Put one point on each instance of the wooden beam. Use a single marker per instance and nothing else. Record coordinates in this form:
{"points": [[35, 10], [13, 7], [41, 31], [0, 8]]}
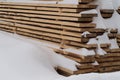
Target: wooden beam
{"points": [[49, 13], [49, 5]]}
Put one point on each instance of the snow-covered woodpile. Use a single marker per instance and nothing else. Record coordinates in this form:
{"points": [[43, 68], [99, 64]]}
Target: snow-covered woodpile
{"points": [[77, 28]]}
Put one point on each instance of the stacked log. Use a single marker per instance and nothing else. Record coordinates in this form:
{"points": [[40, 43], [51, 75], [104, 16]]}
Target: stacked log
{"points": [[113, 33]]}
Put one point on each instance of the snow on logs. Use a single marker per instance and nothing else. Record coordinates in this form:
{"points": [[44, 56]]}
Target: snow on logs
{"points": [[92, 63]]}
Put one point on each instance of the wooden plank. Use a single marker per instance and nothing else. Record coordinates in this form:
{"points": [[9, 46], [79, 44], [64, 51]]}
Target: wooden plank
{"points": [[109, 69], [68, 53], [107, 11], [81, 61], [106, 15], [85, 71], [6, 30], [49, 13], [85, 61], [7, 27], [113, 55], [112, 35], [39, 37], [77, 55], [113, 50], [85, 1], [107, 45], [108, 59], [56, 9], [109, 64], [49, 5], [90, 46], [39, 5], [81, 45], [85, 66]]}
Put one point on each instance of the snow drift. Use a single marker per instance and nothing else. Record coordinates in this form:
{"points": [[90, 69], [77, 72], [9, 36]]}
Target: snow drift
{"points": [[21, 60]]}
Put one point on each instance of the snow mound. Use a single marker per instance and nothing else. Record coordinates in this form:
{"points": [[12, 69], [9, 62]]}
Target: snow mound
{"points": [[24, 61]]}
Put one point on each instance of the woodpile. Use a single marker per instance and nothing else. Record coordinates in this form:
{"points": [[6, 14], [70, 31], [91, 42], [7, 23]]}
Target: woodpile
{"points": [[84, 61], [106, 63], [109, 62], [63, 24], [60, 23]]}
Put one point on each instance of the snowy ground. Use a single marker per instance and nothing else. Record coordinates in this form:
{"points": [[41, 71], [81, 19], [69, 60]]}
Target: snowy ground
{"points": [[23, 59], [20, 60]]}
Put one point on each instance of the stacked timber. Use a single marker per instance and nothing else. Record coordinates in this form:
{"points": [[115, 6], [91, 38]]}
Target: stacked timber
{"points": [[107, 13], [63, 24], [86, 63], [118, 39], [60, 23], [109, 62], [112, 33]]}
